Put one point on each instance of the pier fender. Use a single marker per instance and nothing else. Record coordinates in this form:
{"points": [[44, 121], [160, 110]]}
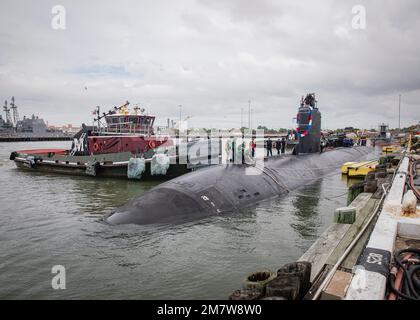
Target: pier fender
{"points": [[371, 186], [92, 168], [135, 168], [245, 294], [258, 280], [160, 164], [13, 155], [354, 190], [292, 281]]}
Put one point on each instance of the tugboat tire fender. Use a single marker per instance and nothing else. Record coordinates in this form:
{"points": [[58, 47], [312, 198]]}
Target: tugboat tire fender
{"points": [[152, 144], [96, 147]]}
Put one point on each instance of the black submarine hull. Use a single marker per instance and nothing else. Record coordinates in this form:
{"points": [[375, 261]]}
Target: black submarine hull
{"points": [[227, 188]]}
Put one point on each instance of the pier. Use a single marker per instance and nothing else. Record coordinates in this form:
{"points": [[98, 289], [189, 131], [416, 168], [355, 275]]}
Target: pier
{"points": [[34, 138], [355, 258]]}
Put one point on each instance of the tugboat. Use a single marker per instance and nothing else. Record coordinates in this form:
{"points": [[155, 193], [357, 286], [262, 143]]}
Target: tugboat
{"points": [[122, 143]]}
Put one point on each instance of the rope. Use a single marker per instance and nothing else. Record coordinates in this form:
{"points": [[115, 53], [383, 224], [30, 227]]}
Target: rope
{"points": [[411, 175]]}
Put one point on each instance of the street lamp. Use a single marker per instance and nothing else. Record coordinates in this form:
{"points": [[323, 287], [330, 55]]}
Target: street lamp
{"points": [[399, 112], [249, 114]]}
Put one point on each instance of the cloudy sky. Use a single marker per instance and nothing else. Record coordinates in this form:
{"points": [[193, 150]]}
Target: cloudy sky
{"points": [[212, 56]]}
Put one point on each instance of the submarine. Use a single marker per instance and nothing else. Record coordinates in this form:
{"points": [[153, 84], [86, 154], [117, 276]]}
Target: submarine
{"points": [[224, 188]]}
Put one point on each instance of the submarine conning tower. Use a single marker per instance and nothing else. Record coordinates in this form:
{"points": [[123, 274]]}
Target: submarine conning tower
{"points": [[309, 125]]}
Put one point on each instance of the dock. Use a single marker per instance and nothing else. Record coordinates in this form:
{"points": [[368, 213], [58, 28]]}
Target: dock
{"points": [[35, 138], [365, 253]]}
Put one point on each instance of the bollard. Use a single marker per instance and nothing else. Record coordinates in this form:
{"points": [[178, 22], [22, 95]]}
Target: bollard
{"points": [[409, 203]]}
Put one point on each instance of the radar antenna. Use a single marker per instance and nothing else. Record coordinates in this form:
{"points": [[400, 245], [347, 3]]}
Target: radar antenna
{"points": [[13, 107], [7, 111]]}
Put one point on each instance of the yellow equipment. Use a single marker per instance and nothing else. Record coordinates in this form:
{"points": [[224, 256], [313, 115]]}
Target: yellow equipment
{"points": [[390, 149], [361, 170], [358, 169], [345, 167]]}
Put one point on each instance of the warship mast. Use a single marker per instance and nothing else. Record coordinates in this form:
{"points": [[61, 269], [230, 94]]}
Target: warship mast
{"points": [[13, 107]]}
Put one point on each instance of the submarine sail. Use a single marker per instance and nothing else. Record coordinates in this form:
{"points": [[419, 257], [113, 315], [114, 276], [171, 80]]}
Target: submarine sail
{"points": [[309, 125]]}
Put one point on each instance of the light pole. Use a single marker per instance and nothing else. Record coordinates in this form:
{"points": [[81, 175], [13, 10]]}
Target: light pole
{"points": [[180, 113], [249, 114], [399, 112], [242, 117]]}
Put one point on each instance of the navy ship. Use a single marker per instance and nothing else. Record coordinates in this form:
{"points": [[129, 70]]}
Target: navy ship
{"points": [[229, 187], [13, 125]]}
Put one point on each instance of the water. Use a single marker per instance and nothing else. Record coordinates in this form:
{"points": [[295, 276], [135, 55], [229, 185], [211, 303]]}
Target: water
{"points": [[48, 220]]}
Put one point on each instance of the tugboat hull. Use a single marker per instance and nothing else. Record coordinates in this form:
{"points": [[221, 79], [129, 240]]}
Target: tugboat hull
{"points": [[111, 165]]}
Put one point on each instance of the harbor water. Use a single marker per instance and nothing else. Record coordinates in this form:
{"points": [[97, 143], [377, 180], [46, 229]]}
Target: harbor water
{"points": [[48, 220]]}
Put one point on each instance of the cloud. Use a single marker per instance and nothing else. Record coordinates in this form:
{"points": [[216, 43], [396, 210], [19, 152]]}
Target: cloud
{"points": [[212, 57]]}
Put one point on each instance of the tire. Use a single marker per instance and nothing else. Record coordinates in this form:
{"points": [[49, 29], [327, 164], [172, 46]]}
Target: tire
{"points": [[380, 174], [371, 186], [370, 176], [258, 280], [301, 271]]}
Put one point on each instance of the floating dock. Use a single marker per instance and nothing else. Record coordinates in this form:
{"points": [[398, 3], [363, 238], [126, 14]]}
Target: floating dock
{"points": [[35, 138]]}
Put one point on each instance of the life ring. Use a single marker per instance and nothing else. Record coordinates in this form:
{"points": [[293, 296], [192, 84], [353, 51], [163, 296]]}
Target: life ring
{"points": [[152, 144], [96, 147]]}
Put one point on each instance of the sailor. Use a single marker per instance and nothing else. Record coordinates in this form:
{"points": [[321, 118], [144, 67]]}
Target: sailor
{"points": [[232, 159], [253, 145], [269, 147], [278, 146], [243, 151], [283, 145], [323, 143], [228, 150]]}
